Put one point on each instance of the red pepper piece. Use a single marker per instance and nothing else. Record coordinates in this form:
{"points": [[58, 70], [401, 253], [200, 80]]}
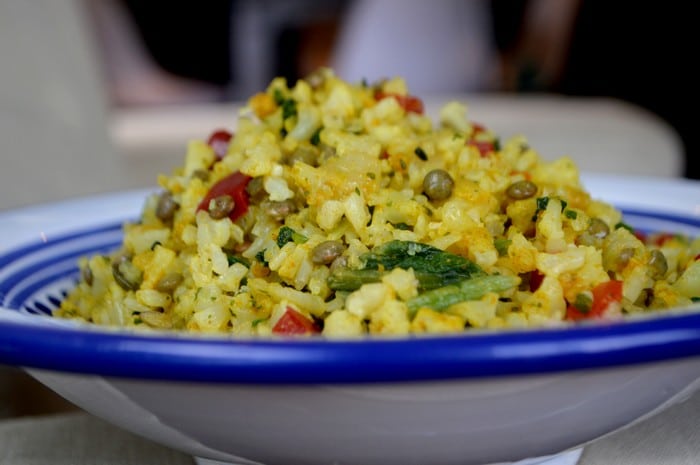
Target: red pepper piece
{"points": [[485, 148], [604, 295], [407, 102], [536, 278], [477, 128], [233, 185], [663, 238], [641, 236], [219, 141], [525, 174], [293, 322]]}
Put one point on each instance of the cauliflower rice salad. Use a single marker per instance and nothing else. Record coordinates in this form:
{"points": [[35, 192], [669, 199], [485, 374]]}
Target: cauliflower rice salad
{"points": [[342, 209]]}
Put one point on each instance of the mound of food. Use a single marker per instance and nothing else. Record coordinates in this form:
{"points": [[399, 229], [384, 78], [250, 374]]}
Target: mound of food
{"points": [[342, 209]]}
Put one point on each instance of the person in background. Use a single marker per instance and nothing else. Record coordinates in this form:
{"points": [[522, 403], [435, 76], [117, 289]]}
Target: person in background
{"points": [[439, 47], [638, 52]]}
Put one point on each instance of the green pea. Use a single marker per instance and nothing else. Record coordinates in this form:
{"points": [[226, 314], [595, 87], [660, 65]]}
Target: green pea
{"points": [[438, 185]]}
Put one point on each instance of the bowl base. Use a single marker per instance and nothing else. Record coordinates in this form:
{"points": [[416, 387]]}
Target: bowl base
{"points": [[570, 457]]}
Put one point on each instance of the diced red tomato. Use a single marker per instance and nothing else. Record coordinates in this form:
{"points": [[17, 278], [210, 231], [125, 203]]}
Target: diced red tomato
{"points": [[384, 155], [536, 278], [407, 102], [233, 185], [293, 322], [219, 141], [485, 148], [604, 295]]}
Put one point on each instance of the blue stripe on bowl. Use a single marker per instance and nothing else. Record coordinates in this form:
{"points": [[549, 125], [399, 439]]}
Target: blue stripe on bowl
{"points": [[40, 274], [19, 286], [20, 252]]}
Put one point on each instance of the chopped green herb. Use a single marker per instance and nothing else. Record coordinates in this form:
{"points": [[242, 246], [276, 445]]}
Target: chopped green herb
{"points": [[289, 108], [237, 259], [624, 225], [542, 203], [371, 175], [260, 256], [403, 164], [155, 244], [420, 153], [138, 321], [257, 322], [357, 191], [402, 226], [583, 303], [288, 105], [316, 137], [571, 214], [497, 144], [695, 299], [287, 234], [502, 245]]}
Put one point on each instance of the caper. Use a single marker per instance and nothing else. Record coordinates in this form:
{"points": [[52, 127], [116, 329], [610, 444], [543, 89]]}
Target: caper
{"points": [[598, 228], [202, 175], [438, 184], [326, 252], [278, 210], [169, 282], [658, 263], [625, 256], [256, 189], [304, 154], [166, 207], [521, 190], [221, 206], [327, 152], [126, 274]]}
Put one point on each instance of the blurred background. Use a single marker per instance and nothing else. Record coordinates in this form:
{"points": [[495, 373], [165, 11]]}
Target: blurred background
{"points": [[227, 50], [100, 95]]}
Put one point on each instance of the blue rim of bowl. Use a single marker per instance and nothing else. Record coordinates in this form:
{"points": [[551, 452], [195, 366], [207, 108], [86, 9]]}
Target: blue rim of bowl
{"points": [[180, 357]]}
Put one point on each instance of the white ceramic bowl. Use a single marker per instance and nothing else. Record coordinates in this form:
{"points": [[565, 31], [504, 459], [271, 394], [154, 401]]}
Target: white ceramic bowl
{"points": [[468, 399]]}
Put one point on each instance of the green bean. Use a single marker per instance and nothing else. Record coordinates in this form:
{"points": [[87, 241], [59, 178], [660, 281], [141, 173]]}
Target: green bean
{"points": [[470, 289]]}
